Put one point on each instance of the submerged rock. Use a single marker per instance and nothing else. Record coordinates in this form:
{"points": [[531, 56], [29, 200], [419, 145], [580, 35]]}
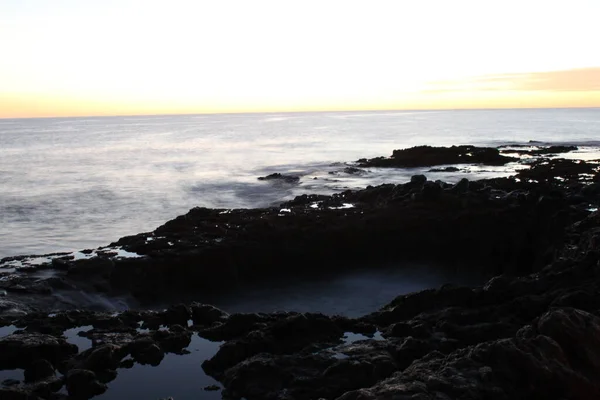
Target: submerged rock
{"points": [[445, 169], [280, 177]]}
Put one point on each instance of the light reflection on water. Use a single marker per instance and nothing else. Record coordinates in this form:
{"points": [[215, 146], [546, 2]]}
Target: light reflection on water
{"points": [[12, 374], [74, 183], [83, 343], [177, 376], [352, 294]]}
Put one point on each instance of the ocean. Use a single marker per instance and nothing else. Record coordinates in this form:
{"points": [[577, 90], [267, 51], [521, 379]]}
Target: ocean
{"points": [[73, 183]]}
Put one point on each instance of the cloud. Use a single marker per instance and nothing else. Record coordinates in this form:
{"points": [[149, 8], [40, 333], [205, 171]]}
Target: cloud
{"points": [[571, 80]]}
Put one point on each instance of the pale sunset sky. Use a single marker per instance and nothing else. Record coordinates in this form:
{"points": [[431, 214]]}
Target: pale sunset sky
{"points": [[125, 57]]}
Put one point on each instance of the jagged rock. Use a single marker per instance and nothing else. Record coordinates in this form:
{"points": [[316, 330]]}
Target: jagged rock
{"points": [[101, 358], [146, 351], [21, 350], [95, 265], [280, 337], [549, 360], [462, 186], [205, 314], [236, 325], [38, 370], [445, 169], [279, 177], [431, 191], [83, 384], [559, 170], [178, 314], [418, 179], [354, 171], [10, 308], [424, 156], [174, 340]]}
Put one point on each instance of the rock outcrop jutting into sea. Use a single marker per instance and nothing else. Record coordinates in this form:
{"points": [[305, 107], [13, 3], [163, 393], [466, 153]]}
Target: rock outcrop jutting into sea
{"points": [[532, 331]]}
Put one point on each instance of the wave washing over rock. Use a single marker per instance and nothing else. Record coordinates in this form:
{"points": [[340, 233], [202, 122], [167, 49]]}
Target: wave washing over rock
{"points": [[530, 331], [76, 183]]}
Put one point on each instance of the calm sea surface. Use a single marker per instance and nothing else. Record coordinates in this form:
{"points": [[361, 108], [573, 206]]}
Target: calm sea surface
{"points": [[74, 183]]}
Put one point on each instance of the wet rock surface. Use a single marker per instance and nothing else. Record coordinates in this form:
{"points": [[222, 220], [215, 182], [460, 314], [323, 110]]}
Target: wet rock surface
{"points": [[537, 150], [280, 177], [531, 331], [427, 156]]}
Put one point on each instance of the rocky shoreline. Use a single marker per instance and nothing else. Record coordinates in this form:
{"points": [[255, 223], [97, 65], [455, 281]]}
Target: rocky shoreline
{"points": [[529, 332]]}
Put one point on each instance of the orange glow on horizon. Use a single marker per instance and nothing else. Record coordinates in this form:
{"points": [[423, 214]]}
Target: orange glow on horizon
{"points": [[134, 57], [34, 106]]}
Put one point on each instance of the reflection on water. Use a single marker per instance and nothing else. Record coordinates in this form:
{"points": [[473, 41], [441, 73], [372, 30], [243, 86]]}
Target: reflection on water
{"points": [[353, 294], [351, 337], [82, 342], [7, 330], [12, 375], [177, 376]]}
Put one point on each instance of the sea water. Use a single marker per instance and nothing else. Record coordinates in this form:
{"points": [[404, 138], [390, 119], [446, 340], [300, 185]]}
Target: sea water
{"points": [[74, 183]]}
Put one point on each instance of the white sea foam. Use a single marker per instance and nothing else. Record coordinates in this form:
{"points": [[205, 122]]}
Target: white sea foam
{"points": [[342, 207], [118, 176]]}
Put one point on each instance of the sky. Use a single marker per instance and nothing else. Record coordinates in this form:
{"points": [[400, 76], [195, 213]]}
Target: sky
{"points": [[125, 57]]}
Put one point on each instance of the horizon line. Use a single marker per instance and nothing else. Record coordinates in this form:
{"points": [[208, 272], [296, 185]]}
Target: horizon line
{"points": [[302, 112]]}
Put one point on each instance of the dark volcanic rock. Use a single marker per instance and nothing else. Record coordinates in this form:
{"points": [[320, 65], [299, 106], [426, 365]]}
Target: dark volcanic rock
{"points": [[425, 156], [10, 308], [205, 314], [83, 384], [38, 370], [178, 314], [279, 177], [281, 336], [100, 358], [146, 351], [235, 326], [540, 362], [530, 332], [554, 150], [561, 170], [539, 151], [349, 171], [445, 169], [354, 171], [418, 179], [22, 350], [213, 249]]}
